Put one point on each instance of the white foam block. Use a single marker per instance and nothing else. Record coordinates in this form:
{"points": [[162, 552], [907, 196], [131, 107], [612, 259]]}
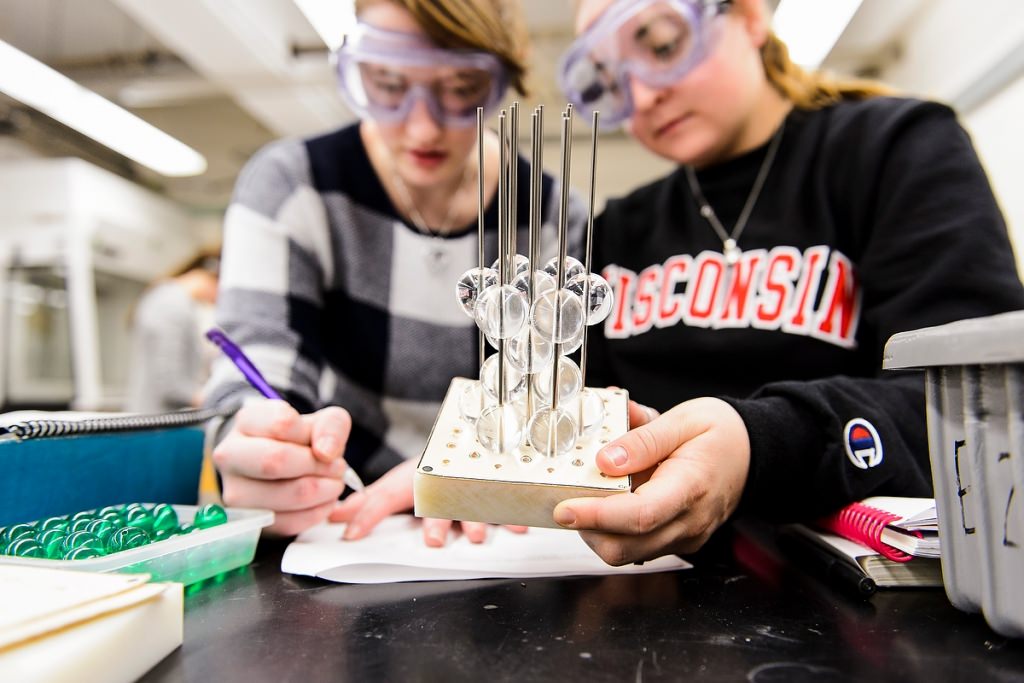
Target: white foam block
{"points": [[458, 479]]}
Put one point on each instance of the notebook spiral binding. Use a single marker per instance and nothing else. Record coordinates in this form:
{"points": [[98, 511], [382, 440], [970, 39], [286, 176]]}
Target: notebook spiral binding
{"points": [[864, 524], [33, 429]]}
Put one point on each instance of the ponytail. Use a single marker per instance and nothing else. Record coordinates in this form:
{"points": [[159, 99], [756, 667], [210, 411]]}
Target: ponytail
{"points": [[811, 89]]}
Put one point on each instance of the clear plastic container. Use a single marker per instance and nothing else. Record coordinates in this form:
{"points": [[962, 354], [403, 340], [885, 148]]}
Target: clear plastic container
{"points": [[187, 558]]}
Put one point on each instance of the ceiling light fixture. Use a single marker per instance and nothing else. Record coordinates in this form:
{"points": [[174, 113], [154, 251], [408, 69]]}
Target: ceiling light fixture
{"points": [[332, 19], [33, 83], [810, 28]]}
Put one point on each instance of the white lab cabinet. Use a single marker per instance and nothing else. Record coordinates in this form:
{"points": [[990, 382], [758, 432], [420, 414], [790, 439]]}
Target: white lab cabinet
{"points": [[77, 246]]}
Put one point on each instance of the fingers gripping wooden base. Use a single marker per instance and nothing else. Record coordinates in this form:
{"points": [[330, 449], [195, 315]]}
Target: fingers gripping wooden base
{"points": [[458, 479]]}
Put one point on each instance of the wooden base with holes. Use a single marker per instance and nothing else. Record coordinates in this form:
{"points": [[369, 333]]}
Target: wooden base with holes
{"points": [[457, 479]]}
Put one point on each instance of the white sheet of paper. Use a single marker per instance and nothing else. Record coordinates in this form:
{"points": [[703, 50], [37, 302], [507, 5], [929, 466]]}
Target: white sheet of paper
{"points": [[395, 552]]}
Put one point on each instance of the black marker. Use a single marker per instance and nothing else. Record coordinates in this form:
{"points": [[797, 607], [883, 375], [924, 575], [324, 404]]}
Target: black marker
{"points": [[825, 564]]}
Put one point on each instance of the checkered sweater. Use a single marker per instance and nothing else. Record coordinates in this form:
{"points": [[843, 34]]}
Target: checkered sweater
{"points": [[333, 295]]}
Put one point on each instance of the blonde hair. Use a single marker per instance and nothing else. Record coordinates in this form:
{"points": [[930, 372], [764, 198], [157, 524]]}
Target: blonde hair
{"points": [[494, 26], [812, 89]]}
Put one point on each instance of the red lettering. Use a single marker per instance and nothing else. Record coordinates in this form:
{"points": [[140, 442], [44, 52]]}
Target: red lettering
{"points": [[646, 291], [703, 291], [777, 289], [622, 280], [840, 301], [814, 263], [742, 275], [669, 303]]}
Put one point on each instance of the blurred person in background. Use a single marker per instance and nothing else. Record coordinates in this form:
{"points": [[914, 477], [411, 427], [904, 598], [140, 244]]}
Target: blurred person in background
{"points": [[170, 357]]}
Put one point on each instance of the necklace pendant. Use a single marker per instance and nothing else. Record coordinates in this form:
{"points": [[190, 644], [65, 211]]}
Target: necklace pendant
{"points": [[437, 259], [731, 251]]}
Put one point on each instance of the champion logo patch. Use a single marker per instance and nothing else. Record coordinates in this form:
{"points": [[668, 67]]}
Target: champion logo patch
{"points": [[863, 447]]}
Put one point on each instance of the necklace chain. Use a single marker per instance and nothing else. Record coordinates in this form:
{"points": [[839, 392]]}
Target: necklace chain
{"points": [[729, 240], [414, 212]]}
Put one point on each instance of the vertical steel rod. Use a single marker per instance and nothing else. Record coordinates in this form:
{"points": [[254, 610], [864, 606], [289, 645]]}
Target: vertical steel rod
{"points": [[480, 227], [563, 220], [513, 182], [502, 227], [589, 250], [533, 242]]}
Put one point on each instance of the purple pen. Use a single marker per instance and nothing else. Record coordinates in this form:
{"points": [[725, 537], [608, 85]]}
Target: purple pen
{"points": [[242, 362], [254, 377]]}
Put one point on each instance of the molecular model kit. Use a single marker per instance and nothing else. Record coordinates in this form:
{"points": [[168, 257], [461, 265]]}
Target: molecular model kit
{"points": [[510, 445]]}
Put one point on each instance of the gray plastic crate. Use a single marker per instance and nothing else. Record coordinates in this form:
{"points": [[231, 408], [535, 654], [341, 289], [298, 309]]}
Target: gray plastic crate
{"points": [[974, 384]]}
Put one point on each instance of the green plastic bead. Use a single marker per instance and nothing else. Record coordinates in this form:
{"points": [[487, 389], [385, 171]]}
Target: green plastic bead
{"points": [[112, 514], [84, 552], [26, 547], [52, 541], [139, 517], [164, 517], [59, 523], [127, 538], [164, 534], [84, 514], [101, 529], [76, 539], [210, 515], [187, 528], [81, 524], [18, 531]]}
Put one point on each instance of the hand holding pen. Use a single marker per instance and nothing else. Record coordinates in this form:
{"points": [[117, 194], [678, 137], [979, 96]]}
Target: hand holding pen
{"points": [[275, 458]]}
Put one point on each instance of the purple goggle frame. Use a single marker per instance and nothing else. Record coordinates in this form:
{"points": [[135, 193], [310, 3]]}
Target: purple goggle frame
{"points": [[367, 46], [595, 72]]}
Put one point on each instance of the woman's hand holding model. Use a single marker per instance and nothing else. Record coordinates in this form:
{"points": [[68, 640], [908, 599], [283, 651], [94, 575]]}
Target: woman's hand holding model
{"points": [[689, 468]]}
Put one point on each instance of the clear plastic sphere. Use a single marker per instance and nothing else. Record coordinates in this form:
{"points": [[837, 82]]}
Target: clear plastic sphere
{"points": [[557, 316], [519, 264], [570, 381], [552, 432], [468, 288], [501, 311], [573, 345], [572, 268], [542, 283], [515, 381], [599, 299], [500, 429], [528, 353], [588, 408], [473, 401]]}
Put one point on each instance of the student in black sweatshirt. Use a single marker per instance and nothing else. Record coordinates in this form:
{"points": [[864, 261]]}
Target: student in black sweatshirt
{"points": [[757, 284]]}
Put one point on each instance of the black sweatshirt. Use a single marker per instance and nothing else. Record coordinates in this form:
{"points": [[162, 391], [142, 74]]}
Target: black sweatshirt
{"points": [[876, 217]]}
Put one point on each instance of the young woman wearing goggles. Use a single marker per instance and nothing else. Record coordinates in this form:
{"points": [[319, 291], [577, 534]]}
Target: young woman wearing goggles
{"points": [[808, 221], [339, 260]]}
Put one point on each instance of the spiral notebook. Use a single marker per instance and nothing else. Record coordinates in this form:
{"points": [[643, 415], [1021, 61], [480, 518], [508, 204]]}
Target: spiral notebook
{"points": [[57, 463], [897, 528], [894, 541]]}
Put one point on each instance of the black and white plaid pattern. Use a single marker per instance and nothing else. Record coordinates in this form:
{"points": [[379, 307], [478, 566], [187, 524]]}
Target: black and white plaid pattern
{"points": [[327, 290]]}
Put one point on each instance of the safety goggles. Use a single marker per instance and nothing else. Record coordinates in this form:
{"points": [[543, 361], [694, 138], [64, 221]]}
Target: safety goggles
{"points": [[383, 73], [656, 41]]}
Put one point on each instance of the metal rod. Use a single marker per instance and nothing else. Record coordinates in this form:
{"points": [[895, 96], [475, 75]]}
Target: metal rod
{"points": [[536, 192], [589, 250], [563, 219], [480, 226], [513, 182], [533, 240], [502, 227]]}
